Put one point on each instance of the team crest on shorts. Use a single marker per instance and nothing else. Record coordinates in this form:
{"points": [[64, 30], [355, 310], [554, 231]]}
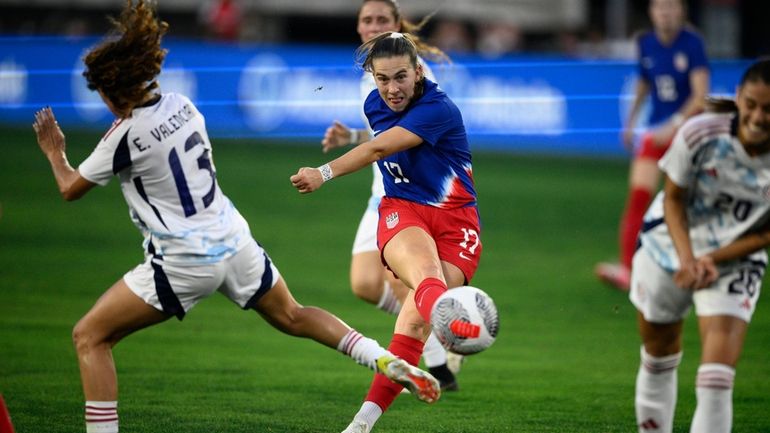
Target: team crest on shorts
{"points": [[391, 220]]}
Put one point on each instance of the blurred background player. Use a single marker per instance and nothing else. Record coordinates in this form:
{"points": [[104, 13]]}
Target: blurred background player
{"points": [[704, 244], [369, 279], [674, 72], [196, 241], [428, 230]]}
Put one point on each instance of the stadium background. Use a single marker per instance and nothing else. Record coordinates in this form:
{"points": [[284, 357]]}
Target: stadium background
{"points": [[544, 117]]}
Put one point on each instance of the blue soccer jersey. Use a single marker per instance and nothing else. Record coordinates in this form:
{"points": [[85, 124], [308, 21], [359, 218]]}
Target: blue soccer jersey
{"points": [[438, 172], [667, 69]]}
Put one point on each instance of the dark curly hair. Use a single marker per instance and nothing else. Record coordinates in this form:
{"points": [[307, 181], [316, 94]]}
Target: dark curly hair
{"points": [[124, 66]]}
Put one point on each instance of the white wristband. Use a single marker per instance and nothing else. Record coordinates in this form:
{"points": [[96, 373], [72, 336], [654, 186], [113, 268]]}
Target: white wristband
{"points": [[353, 136], [677, 119], [326, 172]]}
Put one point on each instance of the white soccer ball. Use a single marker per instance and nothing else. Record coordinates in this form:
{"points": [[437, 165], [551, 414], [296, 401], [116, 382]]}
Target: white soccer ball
{"points": [[465, 320]]}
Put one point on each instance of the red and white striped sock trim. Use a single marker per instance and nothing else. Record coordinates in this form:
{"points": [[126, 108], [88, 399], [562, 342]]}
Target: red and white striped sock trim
{"points": [[715, 376], [98, 412], [349, 341], [659, 365], [363, 350]]}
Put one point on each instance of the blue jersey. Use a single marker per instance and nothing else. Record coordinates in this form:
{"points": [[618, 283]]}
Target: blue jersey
{"points": [[667, 69], [437, 172]]}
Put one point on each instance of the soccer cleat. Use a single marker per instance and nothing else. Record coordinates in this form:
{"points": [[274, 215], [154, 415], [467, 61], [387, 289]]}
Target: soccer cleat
{"points": [[357, 426], [445, 377], [420, 383], [614, 274], [454, 361]]}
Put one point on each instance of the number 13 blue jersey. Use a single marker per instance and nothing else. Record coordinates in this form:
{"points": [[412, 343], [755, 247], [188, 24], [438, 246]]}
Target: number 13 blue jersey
{"points": [[437, 172], [162, 156]]}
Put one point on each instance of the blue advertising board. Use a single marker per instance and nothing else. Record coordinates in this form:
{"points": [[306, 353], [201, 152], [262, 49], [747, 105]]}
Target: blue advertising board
{"points": [[527, 103]]}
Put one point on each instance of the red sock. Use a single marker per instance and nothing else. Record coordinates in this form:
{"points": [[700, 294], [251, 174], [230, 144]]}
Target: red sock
{"points": [[426, 294], [382, 391], [631, 224], [5, 419]]}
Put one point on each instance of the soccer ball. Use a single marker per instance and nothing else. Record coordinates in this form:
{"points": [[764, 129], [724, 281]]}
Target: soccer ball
{"points": [[465, 320]]}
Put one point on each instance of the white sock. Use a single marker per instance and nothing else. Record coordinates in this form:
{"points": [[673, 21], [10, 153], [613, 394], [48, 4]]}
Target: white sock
{"points": [[434, 353], [363, 350], [714, 390], [101, 417], [369, 413], [656, 392], [388, 301]]}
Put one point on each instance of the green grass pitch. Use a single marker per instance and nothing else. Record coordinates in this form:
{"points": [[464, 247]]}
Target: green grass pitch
{"points": [[565, 360]]}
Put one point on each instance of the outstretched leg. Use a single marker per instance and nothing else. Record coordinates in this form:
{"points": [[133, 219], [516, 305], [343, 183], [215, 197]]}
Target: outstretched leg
{"points": [[116, 314], [282, 311]]}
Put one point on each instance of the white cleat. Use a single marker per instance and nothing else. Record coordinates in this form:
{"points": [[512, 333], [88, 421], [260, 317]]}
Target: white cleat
{"points": [[357, 427], [420, 383]]}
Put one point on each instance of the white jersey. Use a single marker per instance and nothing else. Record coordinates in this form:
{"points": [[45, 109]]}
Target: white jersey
{"points": [[367, 85], [728, 190], [162, 156]]}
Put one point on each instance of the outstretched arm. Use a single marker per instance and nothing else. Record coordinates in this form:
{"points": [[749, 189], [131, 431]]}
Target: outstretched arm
{"points": [[50, 138], [387, 143]]}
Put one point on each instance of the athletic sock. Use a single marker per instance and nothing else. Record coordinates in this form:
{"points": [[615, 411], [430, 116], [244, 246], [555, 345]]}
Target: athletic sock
{"points": [[363, 350], [6, 426], [714, 391], [382, 391], [631, 223], [369, 413], [101, 417], [388, 301], [656, 385], [426, 294]]}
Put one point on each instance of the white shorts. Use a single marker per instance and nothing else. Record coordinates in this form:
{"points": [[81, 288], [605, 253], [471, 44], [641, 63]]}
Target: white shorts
{"points": [[175, 288], [366, 235], [654, 294]]}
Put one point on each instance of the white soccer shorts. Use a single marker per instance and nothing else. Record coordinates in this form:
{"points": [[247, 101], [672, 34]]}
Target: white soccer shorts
{"points": [[175, 288], [366, 235], [654, 294]]}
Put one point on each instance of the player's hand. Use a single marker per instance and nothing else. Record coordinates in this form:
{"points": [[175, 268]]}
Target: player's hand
{"points": [[50, 137], [710, 271], [692, 275], [337, 135], [307, 180]]}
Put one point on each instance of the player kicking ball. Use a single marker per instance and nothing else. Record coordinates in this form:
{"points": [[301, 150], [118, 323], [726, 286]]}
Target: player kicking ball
{"points": [[196, 241]]}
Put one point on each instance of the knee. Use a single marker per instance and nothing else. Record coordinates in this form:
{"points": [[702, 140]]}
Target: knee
{"points": [[289, 320], [83, 337], [367, 287]]}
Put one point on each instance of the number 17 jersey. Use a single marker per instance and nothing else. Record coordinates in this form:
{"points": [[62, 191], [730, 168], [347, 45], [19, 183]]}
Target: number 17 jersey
{"points": [[162, 156], [437, 172]]}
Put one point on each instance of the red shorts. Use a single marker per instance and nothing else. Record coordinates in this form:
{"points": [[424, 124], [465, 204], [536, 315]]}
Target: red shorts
{"points": [[455, 231], [648, 149]]}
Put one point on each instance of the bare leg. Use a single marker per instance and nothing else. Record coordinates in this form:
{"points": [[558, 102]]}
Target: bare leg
{"points": [[722, 339], [281, 310], [117, 313], [367, 276]]}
